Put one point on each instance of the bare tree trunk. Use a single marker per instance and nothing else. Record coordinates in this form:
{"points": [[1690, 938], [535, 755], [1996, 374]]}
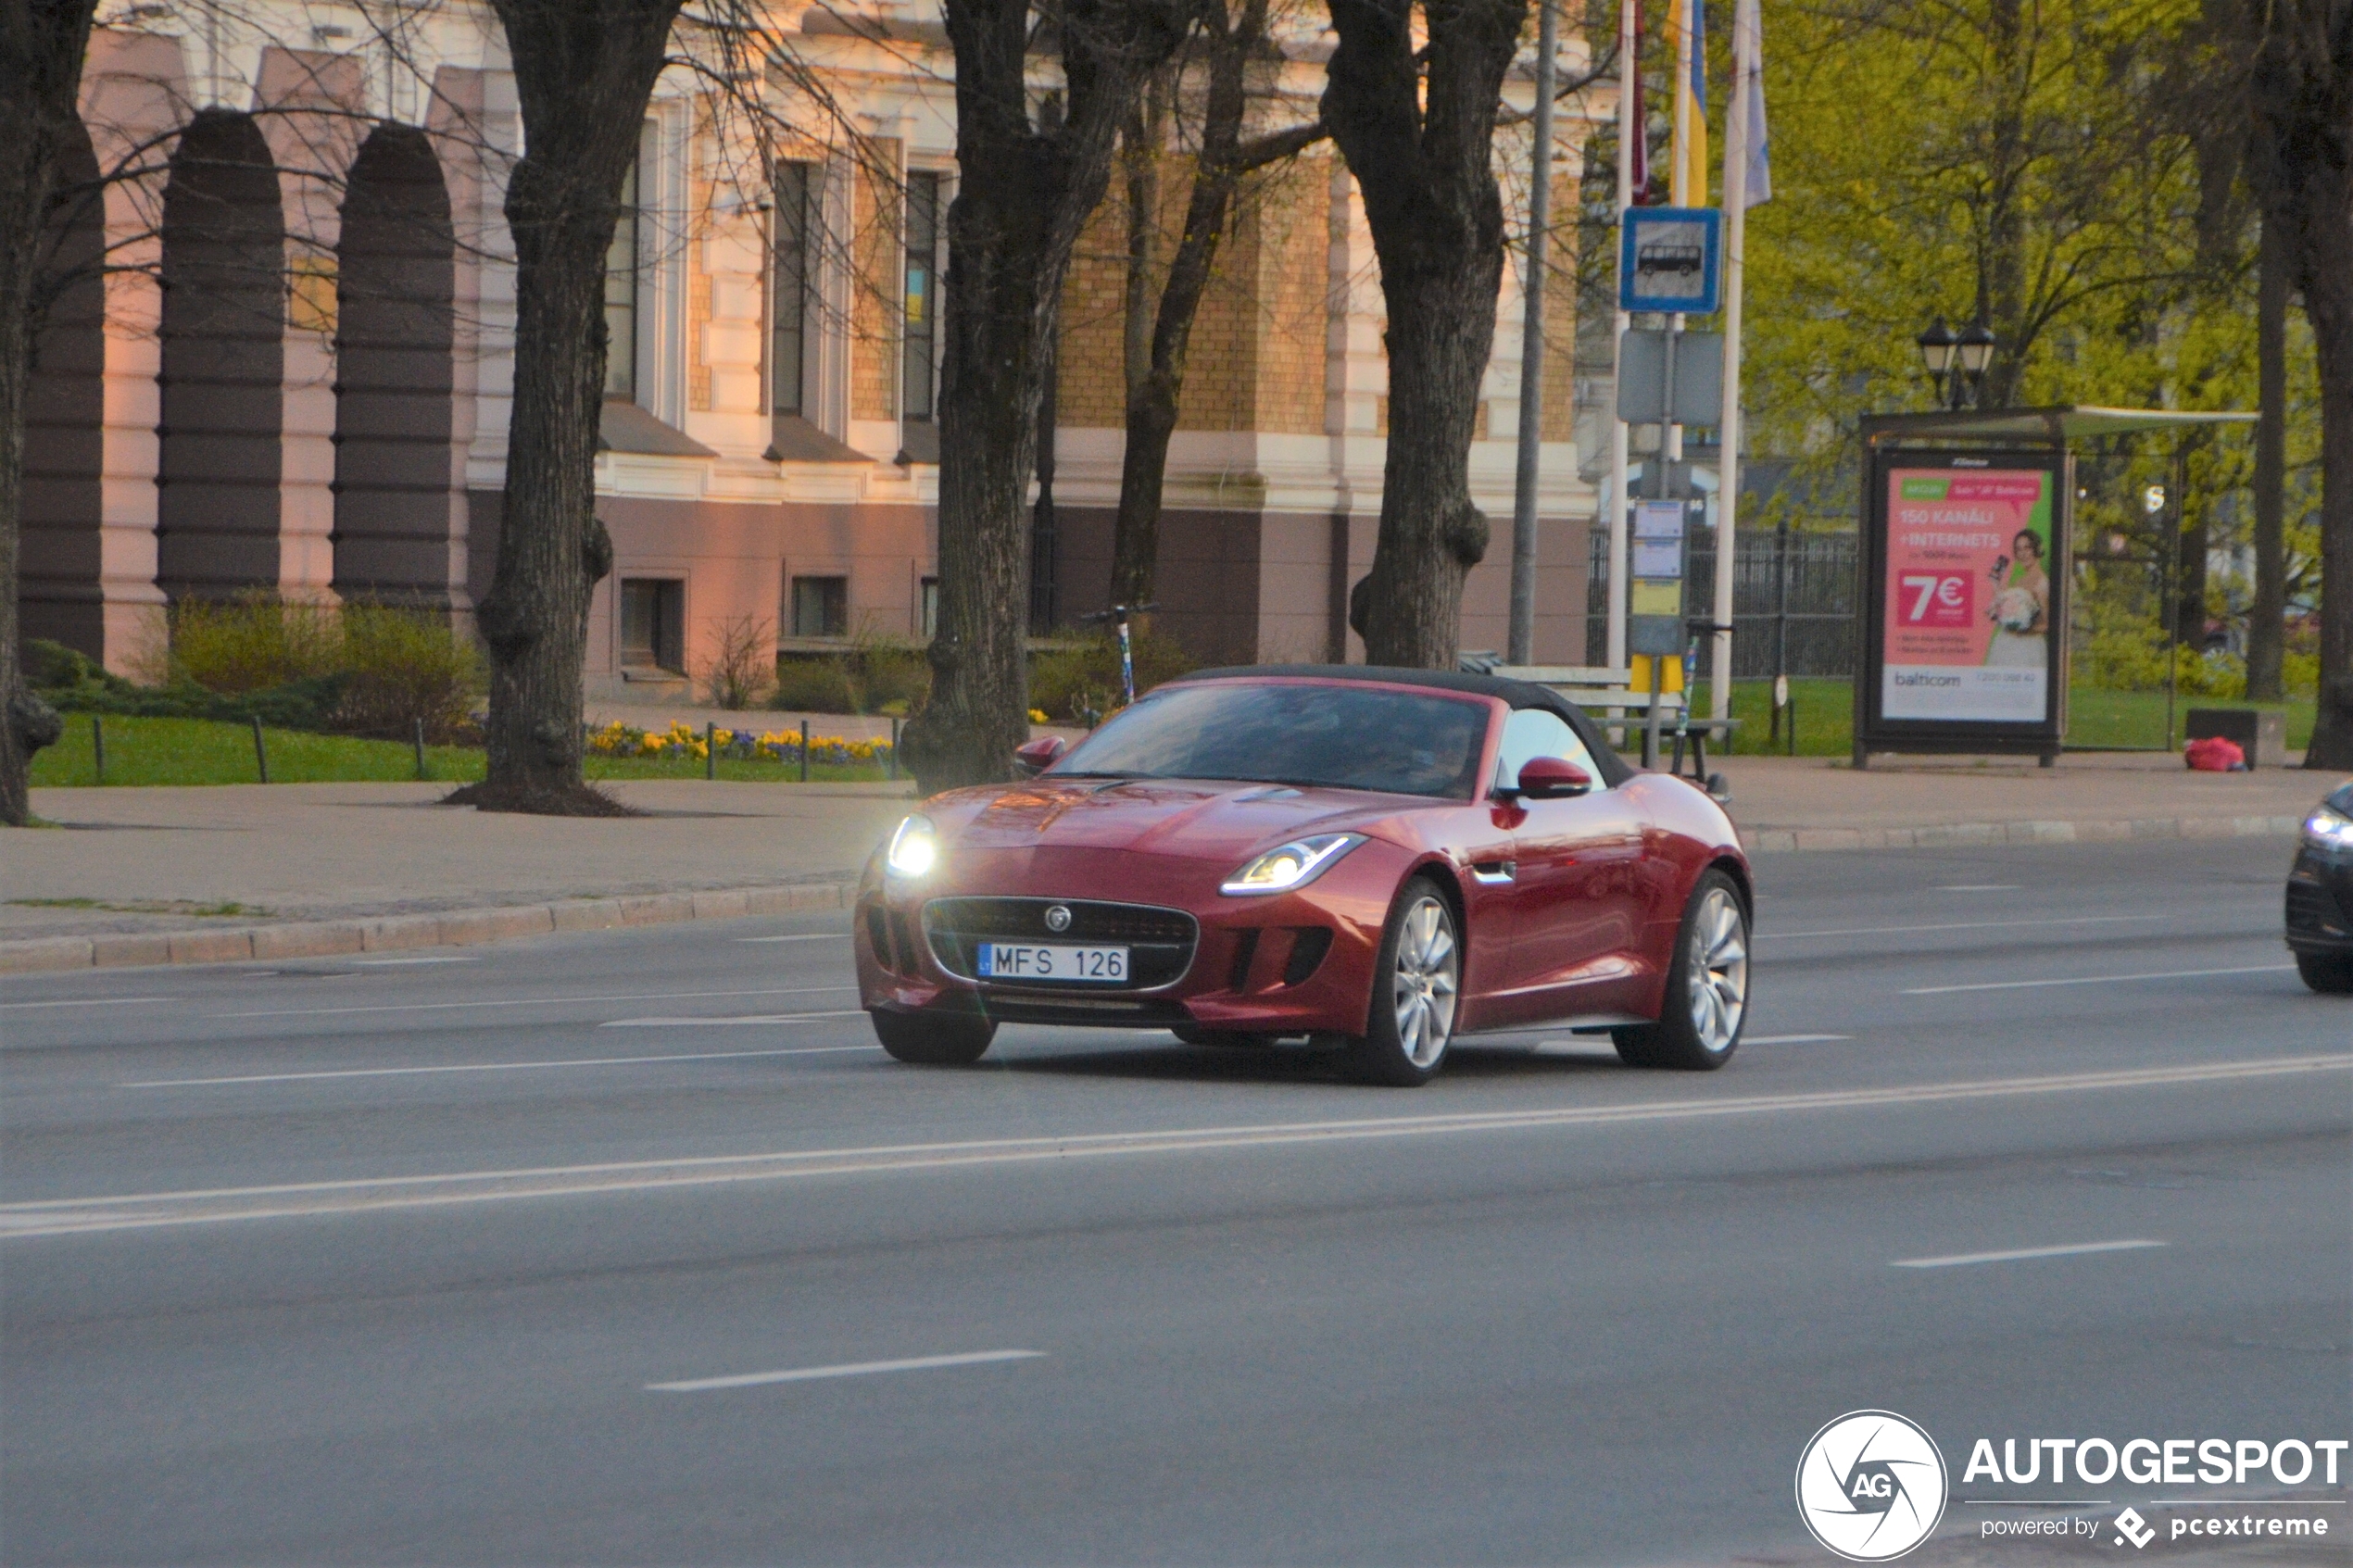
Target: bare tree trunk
{"points": [[2190, 525], [1421, 152], [2301, 93], [2267, 617], [2002, 264], [42, 44], [1156, 376], [584, 73], [1023, 195]]}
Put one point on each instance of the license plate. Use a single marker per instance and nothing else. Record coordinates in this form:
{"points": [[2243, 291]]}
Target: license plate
{"points": [[1030, 961]]}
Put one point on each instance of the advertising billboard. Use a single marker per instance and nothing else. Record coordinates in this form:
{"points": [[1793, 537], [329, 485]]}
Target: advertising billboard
{"points": [[1966, 591]]}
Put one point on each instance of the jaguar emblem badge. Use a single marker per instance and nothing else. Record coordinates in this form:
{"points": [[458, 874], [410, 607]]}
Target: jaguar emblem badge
{"points": [[1057, 916]]}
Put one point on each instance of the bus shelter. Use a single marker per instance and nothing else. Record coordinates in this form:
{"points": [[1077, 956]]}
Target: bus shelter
{"points": [[1965, 570]]}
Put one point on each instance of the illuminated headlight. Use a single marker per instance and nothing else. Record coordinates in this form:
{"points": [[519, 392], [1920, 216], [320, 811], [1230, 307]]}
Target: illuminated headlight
{"points": [[1292, 865], [2329, 828], [914, 848]]}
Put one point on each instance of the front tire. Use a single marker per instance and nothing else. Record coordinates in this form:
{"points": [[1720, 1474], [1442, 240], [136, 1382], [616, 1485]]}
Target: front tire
{"points": [[1707, 986], [932, 1039], [1417, 981], [2329, 974]]}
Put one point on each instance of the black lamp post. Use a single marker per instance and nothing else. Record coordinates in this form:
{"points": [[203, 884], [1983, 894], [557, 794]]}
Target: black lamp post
{"points": [[1957, 361]]}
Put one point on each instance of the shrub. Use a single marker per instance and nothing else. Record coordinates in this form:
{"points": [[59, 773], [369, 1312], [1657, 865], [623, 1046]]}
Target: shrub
{"points": [[890, 676], [1068, 683], [813, 685], [401, 666], [244, 643], [49, 665], [744, 667]]}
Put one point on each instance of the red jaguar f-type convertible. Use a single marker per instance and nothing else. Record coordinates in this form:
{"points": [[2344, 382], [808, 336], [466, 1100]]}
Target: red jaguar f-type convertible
{"points": [[1384, 860]]}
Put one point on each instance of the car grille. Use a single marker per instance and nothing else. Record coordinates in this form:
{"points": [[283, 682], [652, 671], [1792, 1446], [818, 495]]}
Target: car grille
{"points": [[2312, 910], [1160, 942]]}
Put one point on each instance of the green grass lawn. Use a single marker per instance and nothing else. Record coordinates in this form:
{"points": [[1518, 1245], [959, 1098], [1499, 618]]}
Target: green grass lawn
{"points": [[203, 751], [1824, 718]]}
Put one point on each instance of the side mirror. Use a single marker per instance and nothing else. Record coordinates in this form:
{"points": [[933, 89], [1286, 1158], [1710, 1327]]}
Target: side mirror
{"points": [[1553, 778], [1036, 757]]}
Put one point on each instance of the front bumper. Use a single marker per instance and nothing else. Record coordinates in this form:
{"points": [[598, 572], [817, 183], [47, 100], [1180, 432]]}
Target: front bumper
{"points": [[1288, 963], [2320, 901]]}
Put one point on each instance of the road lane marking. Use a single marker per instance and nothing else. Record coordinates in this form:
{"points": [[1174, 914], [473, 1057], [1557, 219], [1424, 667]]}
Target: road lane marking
{"points": [[1972, 925], [849, 1369], [486, 1066], [1957, 1259], [1976, 887], [67, 1216], [815, 937], [746, 1018], [536, 1002], [88, 1002], [1793, 1039], [2097, 979]]}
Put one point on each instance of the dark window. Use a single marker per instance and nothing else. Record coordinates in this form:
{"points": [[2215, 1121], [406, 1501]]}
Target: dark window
{"points": [[923, 294], [653, 623], [927, 615], [788, 311], [624, 263], [821, 607], [1345, 736]]}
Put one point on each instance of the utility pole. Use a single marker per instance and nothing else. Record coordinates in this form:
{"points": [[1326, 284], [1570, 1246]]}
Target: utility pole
{"points": [[1531, 349], [1630, 135]]}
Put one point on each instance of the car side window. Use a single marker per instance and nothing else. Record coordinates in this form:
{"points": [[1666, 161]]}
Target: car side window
{"points": [[1533, 731]]}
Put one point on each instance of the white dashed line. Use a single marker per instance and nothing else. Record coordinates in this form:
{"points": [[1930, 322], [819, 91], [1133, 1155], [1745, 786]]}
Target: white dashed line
{"points": [[849, 1369], [1957, 1259]]}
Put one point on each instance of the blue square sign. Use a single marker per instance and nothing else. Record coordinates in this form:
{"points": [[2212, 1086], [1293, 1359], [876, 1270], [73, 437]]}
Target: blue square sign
{"points": [[1671, 260]]}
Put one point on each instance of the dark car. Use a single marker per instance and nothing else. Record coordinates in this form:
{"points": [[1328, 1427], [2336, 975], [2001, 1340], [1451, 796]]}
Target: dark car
{"points": [[2319, 896], [1378, 859]]}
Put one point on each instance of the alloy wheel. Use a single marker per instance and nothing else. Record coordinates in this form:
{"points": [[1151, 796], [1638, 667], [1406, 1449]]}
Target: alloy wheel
{"points": [[1428, 967], [1718, 970]]}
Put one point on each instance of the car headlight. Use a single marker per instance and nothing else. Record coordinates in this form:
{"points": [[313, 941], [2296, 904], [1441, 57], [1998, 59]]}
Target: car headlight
{"points": [[1292, 865], [914, 848], [2329, 828]]}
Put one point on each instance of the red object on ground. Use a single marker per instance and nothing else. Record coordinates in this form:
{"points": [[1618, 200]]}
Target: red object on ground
{"points": [[2215, 755]]}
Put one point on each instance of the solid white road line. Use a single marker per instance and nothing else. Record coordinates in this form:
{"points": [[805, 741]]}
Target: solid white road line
{"points": [[1968, 925], [682, 1022], [1792, 1039], [2097, 979], [67, 1216], [87, 1002], [850, 1369], [1957, 1259], [814, 936], [484, 1067], [536, 1002]]}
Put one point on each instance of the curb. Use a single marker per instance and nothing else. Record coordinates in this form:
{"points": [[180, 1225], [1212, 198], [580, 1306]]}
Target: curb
{"points": [[454, 928], [1962, 836], [449, 928]]}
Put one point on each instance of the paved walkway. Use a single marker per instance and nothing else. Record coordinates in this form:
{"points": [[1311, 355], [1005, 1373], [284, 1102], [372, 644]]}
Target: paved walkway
{"points": [[246, 870]]}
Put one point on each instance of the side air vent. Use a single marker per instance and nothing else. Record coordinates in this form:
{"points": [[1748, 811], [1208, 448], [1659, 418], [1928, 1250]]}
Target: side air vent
{"points": [[1307, 949]]}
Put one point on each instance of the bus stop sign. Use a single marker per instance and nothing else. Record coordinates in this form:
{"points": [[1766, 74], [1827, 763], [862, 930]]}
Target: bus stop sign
{"points": [[1671, 260]]}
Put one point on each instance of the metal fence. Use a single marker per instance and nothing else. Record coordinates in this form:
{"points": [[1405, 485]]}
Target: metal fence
{"points": [[1792, 601]]}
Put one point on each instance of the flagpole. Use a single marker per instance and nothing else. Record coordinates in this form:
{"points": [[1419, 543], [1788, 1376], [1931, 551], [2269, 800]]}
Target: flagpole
{"points": [[1630, 65], [1719, 696], [1522, 635]]}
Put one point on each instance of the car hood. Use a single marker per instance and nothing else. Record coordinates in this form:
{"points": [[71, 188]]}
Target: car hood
{"points": [[1206, 821]]}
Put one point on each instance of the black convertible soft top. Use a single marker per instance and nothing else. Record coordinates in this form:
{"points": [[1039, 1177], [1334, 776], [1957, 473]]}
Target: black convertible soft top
{"points": [[1515, 693]]}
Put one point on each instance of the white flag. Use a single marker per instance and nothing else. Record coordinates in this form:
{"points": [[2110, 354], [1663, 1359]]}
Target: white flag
{"points": [[1748, 46]]}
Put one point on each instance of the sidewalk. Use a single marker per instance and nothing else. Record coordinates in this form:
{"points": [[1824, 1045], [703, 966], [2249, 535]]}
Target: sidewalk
{"points": [[250, 871]]}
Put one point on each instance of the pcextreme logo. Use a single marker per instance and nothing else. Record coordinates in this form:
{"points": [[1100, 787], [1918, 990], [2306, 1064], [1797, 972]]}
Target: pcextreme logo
{"points": [[1870, 1485]]}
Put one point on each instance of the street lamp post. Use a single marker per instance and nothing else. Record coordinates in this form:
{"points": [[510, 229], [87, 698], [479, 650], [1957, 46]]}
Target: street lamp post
{"points": [[1957, 361]]}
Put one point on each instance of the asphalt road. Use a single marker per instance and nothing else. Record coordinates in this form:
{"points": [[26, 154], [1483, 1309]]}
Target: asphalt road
{"points": [[476, 1257]]}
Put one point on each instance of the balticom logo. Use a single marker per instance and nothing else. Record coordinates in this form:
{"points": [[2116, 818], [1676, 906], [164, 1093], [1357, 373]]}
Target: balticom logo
{"points": [[1870, 1485]]}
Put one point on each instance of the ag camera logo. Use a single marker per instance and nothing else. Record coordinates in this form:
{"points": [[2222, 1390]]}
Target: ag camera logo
{"points": [[1870, 1485]]}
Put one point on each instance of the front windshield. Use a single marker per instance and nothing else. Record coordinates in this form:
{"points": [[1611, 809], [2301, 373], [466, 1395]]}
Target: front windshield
{"points": [[1343, 735]]}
